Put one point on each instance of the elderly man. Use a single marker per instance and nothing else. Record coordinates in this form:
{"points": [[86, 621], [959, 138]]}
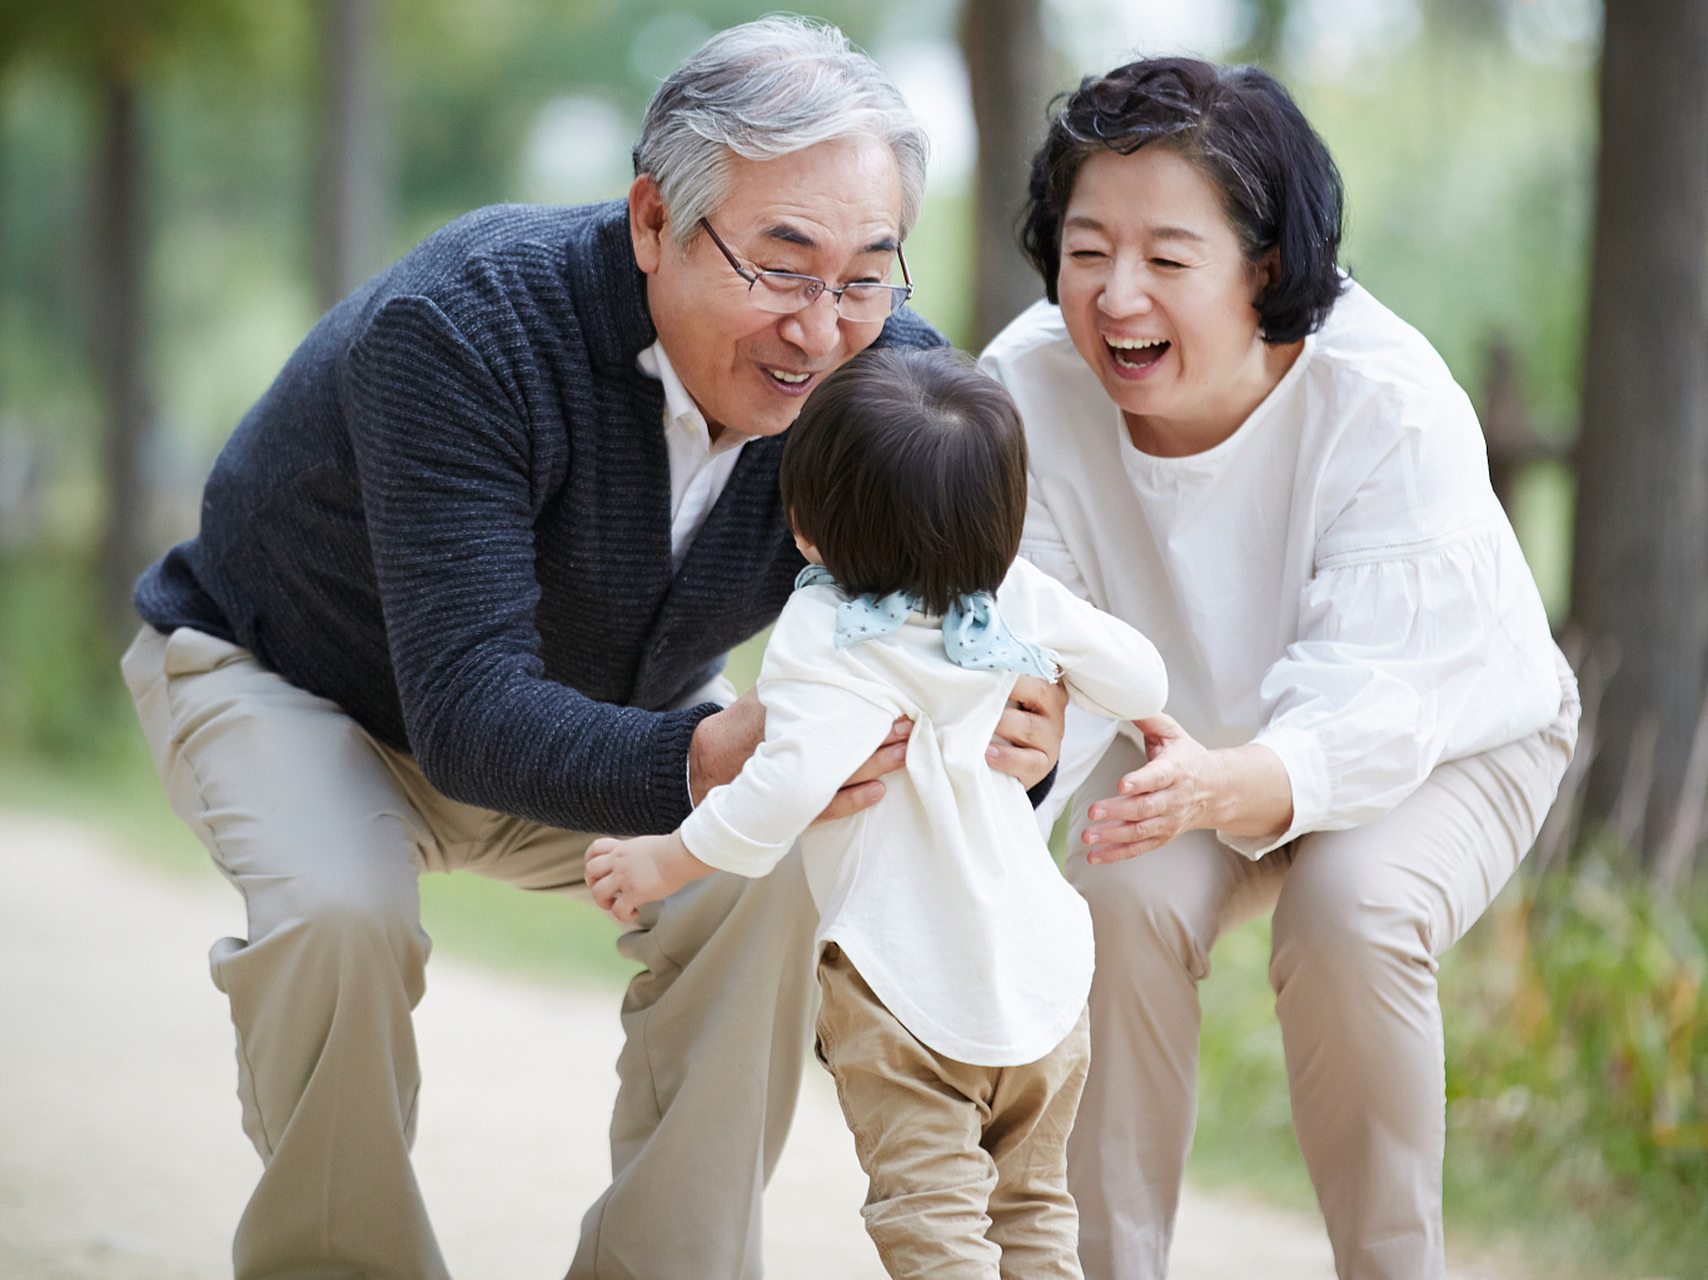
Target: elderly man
{"points": [[464, 581]]}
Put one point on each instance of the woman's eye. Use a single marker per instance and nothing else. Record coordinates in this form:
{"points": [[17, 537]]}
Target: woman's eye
{"points": [[1166, 262], [1085, 255]]}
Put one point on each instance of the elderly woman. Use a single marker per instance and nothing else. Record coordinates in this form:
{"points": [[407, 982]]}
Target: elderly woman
{"points": [[1244, 454]]}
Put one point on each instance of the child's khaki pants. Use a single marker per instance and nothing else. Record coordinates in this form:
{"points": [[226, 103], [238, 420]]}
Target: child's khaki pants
{"points": [[968, 1165]]}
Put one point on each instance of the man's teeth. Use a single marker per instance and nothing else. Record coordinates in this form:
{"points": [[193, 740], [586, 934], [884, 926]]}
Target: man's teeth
{"points": [[792, 379]]}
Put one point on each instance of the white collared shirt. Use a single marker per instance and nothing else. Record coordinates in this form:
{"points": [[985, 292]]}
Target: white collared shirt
{"points": [[1335, 580], [699, 469]]}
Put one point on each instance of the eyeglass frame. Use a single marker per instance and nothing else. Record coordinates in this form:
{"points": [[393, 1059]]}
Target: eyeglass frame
{"points": [[752, 277]]}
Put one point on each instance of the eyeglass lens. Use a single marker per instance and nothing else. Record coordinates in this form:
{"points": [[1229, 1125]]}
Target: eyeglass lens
{"points": [[780, 292]]}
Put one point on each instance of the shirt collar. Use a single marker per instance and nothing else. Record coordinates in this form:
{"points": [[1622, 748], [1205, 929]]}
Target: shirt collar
{"points": [[680, 411]]}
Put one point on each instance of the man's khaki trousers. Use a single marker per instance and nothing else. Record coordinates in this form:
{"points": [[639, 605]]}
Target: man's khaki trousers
{"points": [[1360, 919], [324, 831]]}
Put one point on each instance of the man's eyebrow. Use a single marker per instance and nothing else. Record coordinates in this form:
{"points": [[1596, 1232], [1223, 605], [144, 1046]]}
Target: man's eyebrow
{"points": [[790, 235], [787, 234]]}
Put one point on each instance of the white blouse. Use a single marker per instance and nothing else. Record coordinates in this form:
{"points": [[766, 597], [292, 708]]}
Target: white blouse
{"points": [[1335, 580], [943, 894]]}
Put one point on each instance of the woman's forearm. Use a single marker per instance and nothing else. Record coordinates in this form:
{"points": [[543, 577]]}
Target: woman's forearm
{"points": [[1254, 796]]}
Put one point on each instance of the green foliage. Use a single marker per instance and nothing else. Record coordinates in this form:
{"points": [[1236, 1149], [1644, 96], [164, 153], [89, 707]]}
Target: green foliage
{"points": [[1576, 1017], [1578, 1064], [1467, 176], [60, 694]]}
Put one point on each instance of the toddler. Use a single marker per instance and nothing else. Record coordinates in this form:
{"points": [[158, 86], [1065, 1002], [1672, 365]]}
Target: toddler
{"points": [[954, 960]]}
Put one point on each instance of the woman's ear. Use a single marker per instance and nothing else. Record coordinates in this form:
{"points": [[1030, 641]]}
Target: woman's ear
{"points": [[1266, 274]]}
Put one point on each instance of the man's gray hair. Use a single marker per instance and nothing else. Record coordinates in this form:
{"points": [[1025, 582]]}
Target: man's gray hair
{"points": [[763, 90]]}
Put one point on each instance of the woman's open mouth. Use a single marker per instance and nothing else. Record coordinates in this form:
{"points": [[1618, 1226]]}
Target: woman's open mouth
{"points": [[1136, 354]]}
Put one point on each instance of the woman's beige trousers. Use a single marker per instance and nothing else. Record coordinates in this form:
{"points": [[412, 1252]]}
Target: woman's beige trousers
{"points": [[1360, 919]]}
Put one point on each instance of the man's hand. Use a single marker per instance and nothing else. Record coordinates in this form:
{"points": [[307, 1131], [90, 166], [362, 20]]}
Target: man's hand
{"points": [[721, 744], [1029, 735], [863, 790], [723, 741], [625, 875]]}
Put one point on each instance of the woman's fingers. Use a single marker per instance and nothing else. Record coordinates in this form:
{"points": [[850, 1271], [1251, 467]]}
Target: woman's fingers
{"points": [[1126, 825], [1101, 854], [1143, 794], [1159, 731]]}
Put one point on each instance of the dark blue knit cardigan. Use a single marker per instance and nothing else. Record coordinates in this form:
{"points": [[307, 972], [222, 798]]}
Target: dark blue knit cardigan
{"points": [[450, 514]]}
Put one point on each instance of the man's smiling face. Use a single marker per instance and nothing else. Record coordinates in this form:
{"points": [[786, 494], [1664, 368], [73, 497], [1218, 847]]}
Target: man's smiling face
{"points": [[832, 210]]}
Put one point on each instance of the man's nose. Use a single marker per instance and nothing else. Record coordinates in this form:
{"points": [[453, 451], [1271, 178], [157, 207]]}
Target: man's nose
{"points": [[815, 328]]}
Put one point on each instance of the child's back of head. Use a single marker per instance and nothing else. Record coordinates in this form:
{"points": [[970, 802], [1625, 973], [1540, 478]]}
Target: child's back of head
{"points": [[907, 471]]}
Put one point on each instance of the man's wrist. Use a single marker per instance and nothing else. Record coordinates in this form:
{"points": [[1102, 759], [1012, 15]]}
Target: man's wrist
{"points": [[1040, 792], [672, 768]]}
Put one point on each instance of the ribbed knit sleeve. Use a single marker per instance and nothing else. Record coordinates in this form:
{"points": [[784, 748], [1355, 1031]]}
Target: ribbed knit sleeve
{"points": [[445, 457]]}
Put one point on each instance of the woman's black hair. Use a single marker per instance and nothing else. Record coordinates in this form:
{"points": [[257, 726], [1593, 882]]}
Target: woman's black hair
{"points": [[1241, 129], [907, 470]]}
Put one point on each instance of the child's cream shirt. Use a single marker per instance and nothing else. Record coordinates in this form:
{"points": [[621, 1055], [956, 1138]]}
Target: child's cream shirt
{"points": [[943, 894]]}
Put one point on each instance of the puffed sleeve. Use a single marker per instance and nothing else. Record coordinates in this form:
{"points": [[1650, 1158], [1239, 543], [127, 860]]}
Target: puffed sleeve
{"points": [[1406, 655], [1043, 545]]}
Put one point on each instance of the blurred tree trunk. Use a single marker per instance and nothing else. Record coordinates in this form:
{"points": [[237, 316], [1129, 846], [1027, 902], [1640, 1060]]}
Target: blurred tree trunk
{"points": [[1640, 548], [1008, 65], [1263, 43], [347, 206], [120, 271]]}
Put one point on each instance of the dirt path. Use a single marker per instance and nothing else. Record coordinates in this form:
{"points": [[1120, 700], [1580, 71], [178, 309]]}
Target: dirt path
{"points": [[121, 1155]]}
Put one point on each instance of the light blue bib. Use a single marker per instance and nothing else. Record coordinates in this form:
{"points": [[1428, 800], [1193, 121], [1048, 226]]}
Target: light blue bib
{"points": [[974, 634]]}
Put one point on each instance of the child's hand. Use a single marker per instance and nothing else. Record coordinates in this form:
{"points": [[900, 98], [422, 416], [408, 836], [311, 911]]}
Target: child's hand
{"points": [[625, 875]]}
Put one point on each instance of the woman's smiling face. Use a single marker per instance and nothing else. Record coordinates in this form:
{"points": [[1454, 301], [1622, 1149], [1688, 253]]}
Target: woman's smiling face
{"points": [[1159, 300]]}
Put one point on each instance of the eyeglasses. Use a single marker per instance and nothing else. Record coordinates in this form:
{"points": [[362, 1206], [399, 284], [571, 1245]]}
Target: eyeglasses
{"points": [[784, 292]]}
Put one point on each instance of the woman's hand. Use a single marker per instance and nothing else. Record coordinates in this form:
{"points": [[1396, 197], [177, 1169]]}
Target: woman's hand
{"points": [[1029, 734], [1185, 786]]}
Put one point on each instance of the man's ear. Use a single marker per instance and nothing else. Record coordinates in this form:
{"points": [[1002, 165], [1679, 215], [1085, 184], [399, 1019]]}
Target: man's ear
{"points": [[648, 223]]}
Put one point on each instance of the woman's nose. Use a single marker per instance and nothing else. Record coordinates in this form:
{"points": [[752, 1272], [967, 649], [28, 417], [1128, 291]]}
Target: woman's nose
{"points": [[1127, 291]]}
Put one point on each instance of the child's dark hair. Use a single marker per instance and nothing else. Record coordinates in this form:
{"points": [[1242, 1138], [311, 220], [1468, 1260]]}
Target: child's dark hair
{"points": [[907, 470]]}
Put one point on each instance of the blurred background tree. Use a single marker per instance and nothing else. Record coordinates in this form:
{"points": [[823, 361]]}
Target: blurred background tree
{"points": [[1640, 562], [110, 49], [186, 184]]}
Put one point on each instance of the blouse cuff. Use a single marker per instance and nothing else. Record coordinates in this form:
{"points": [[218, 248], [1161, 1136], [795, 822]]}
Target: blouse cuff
{"points": [[1307, 773]]}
